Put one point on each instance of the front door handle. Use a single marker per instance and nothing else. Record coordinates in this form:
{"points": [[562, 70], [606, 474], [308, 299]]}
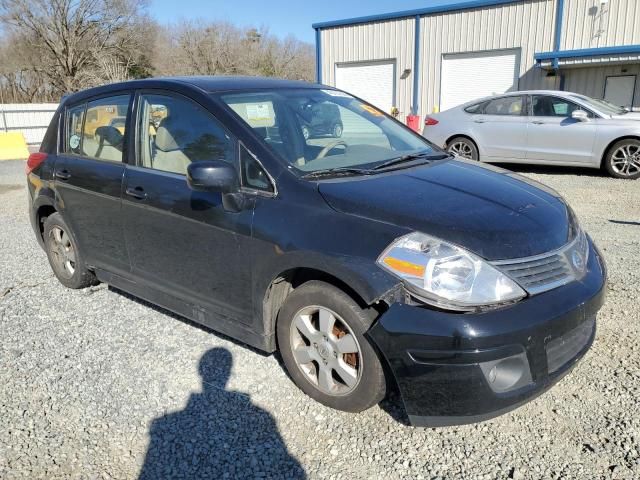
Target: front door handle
{"points": [[538, 122], [63, 174], [137, 192], [480, 120]]}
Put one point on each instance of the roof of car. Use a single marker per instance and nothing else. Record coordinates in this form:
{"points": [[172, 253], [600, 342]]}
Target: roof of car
{"points": [[561, 93], [217, 83]]}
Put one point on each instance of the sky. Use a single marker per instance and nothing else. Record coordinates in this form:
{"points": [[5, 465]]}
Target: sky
{"points": [[281, 17]]}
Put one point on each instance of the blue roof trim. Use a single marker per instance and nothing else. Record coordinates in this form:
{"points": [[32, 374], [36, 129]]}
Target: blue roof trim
{"points": [[587, 52], [452, 7]]}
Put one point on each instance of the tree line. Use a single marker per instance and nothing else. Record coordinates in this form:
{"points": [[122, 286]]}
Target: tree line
{"points": [[49, 48]]}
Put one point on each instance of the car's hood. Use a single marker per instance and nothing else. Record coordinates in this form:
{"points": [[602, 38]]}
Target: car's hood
{"points": [[627, 116], [490, 211]]}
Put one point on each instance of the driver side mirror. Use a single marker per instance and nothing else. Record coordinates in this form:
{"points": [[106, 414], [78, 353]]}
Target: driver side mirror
{"points": [[580, 115], [213, 176]]}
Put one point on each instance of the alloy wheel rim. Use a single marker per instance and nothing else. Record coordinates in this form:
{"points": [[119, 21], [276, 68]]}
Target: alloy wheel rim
{"points": [[305, 133], [462, 149], [337, 131], [626, 160], [63, 253], [326, 350]]}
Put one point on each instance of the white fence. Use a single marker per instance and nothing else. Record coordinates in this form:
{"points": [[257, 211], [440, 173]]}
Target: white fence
{"points": [[31, 119]]}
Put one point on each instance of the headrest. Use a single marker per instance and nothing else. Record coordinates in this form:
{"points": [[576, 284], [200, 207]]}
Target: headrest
{"points": [[171, 135]]}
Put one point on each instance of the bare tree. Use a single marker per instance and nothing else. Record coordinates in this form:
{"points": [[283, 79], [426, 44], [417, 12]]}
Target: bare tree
{"points": [[219, 48], [74, 37]]}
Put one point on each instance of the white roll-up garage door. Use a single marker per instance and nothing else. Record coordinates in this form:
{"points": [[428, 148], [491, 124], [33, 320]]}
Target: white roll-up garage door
{"points": [[373, 82], [467, 76]]}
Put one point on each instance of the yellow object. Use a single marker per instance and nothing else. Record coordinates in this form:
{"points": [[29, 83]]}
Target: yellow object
{"points": [[436, 109], [405, 267], [13, 146]]}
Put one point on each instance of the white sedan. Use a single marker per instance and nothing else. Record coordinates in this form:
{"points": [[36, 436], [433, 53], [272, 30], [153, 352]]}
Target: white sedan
{"points": [[542, 127]]}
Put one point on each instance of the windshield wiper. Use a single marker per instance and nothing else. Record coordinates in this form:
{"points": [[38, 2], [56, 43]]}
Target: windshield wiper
{"points": [[410, 157], [337, 171]]}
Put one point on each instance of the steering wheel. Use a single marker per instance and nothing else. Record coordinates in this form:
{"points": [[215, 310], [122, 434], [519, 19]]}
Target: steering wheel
{"points": [[331, 146]]}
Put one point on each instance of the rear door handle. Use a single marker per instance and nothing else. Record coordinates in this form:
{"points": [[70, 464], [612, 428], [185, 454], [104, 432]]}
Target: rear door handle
{"points": [[137, 192], [63, 174], [538, 122], [480, 120]]}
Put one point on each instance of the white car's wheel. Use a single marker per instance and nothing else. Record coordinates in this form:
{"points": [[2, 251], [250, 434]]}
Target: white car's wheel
{"points": [[623, 159], [463, 147]]}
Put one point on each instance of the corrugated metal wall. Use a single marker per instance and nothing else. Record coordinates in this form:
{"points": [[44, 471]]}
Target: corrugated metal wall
{"points": [[590, 24], [31, 119], [528, 25], [591, 81], [372, 41]]}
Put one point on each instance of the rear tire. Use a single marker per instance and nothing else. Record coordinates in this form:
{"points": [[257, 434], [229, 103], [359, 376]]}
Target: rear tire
{"points": [[623, 159], [463, 147], [321, 339], [64, 256]]}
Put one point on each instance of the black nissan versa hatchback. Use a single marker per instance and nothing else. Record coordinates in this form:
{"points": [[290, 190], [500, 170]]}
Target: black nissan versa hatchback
{"points": [[367, 261]]}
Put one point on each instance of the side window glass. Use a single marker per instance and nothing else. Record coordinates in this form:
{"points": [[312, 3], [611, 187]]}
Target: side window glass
{"points": [[545, 106], [104, 128], [174, 132], [504, 106], [253, 175], [73, 134]]}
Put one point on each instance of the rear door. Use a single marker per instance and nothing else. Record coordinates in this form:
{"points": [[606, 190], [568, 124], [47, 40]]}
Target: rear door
{"points": [[553, 136], [501, 129], [182, 242], [88, 178]]}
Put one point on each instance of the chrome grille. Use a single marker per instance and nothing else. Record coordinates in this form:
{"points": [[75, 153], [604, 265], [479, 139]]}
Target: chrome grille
{"points": [[550, 270]]}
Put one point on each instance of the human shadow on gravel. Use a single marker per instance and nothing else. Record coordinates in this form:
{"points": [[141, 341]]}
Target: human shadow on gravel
{"points": [[220, 434]]}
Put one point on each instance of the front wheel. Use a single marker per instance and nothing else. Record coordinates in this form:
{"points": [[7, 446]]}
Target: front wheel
{"points": [[306, 133], [321, 339], [623, 159], [337, 130], [463, 147]]}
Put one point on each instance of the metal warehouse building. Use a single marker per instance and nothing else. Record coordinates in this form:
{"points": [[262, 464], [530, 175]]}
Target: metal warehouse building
{"points": [[434, 58]]}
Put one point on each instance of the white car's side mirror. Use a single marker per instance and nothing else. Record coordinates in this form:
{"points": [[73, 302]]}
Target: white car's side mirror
{"points": [[580, 115]]}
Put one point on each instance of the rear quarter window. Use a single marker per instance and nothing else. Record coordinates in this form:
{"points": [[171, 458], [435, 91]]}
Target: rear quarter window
{"points": [[475, 108]]}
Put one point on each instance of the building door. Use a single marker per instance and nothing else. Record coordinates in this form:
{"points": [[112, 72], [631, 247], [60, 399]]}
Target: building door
{"points": [[619, 90], [373, 82], [468, 76]]}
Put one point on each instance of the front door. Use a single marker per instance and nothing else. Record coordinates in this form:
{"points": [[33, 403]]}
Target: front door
{"points": [[501, 129], [88, 178], [180, 241], [553, 136]]}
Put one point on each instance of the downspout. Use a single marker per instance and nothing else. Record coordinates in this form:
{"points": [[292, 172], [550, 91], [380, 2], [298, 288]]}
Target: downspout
{"points": [[318, 57], [558, 39], [416, 67]]}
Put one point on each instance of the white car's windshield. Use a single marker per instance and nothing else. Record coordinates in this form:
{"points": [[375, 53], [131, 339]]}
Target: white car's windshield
{"points": [[601, 105], [320, 129]]}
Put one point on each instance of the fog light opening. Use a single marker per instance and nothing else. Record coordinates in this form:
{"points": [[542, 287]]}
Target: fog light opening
{"points": [[506, 373]]}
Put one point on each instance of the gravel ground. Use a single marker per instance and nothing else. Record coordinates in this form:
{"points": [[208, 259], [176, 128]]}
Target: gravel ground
{"points": [[95, 384]]}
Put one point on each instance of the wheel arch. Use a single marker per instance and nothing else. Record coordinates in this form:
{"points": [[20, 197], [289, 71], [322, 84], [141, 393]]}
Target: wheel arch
{"points": [[288, 280], [463, 135], [608, 148], [43, 212]]}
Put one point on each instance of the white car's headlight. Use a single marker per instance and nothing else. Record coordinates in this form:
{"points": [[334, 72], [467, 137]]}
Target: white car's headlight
{"points": [[447, 275]]}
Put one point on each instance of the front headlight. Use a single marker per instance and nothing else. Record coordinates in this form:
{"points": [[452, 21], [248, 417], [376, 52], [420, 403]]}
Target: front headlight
{"points": [[446, 275]]}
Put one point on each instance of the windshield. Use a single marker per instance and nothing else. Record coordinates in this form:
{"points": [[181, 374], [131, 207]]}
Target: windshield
{"points": [[601, 105], [316, 130]]}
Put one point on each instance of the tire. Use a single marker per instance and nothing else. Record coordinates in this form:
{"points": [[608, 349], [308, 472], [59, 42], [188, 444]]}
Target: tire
{"points": [[64, 256], [463, 147], [623, 159], [306, 133], [365, 385], [337, 130]]}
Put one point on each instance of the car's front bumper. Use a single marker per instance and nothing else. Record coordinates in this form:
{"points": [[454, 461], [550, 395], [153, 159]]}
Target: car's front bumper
{"points": [[462, 368]]}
